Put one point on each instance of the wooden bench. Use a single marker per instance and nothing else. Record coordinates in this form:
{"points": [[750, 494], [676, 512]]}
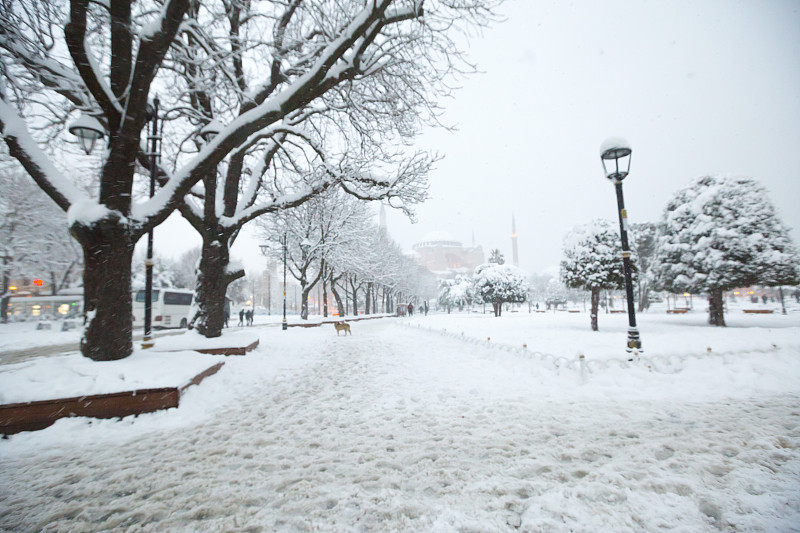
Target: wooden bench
{"points": [[617, 311], [758, 311], [678, 311]]}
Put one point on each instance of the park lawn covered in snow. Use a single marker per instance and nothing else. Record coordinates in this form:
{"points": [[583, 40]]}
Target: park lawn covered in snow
{"points": [[400, 428], [664, 336]]}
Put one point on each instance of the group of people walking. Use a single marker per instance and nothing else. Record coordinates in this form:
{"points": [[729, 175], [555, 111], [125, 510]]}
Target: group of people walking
{"points": [[423, 308], [245, 318]]}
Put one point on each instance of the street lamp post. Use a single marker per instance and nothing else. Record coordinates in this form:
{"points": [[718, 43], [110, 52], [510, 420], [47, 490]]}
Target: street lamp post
{"points": [[153, 140], [615, 154], [88, 130], [265, 253], [284, 326]]}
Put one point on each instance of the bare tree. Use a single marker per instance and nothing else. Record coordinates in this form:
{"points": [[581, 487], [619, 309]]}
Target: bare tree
{"points": [[110, 60], [34, 241]]}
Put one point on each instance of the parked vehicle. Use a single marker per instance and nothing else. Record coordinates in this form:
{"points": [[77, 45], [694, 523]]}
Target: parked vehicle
{"points": [[170, 308]]}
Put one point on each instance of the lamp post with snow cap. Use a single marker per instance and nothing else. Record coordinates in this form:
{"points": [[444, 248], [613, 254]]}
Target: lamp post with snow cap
{"points": [[154, 152], [88, 130], [615, 154]]}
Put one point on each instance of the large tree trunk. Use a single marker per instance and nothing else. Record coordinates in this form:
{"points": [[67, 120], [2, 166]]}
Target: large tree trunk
{"points": [[498, 308], [324, 298], [306, 289], [108, 312], [644, 296], [355, 298], [595, 307], [4, 300], [338, 298], [715, 309], [211, 286], [368, 299]]}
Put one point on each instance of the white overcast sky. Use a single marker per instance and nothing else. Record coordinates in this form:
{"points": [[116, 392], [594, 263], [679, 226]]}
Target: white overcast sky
{"points": [[696, 87]]}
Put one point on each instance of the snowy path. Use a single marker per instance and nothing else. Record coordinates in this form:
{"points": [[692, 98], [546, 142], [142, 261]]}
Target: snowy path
{"points": [[395, 429]]}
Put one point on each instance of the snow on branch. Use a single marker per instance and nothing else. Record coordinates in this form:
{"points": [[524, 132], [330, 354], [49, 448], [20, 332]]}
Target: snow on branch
{"points": [[23, 147]]}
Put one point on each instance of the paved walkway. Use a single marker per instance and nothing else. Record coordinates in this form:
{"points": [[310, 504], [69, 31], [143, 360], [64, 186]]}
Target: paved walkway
{"points": [[394, 429]]}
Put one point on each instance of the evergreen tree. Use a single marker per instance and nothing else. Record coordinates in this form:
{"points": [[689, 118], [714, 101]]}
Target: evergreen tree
{"points": [[721, 233], [497, 284], [644, 237], [593, 261], [455, 293], [496, 257]]}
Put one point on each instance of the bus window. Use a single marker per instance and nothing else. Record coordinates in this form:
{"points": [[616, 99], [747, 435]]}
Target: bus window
{"points": [[141, 295], [177, 298]]}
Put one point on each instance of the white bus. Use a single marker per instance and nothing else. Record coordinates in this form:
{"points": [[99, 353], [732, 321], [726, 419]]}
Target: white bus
{"points": [[170, 308]]}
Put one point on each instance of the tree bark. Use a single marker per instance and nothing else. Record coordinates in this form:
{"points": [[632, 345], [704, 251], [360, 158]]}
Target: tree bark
{"points": [[108, 312], [498, 308], [644, 296], [715, 308], [595, 307], [5, 299], [211, 286], [338, 298], [355, 297], [306, 289], [367, 299], [324, 297]]}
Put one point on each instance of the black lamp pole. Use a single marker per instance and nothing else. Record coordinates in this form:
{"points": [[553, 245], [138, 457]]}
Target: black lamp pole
{"points": [[618, 154], [153, 139], [284, 326]]}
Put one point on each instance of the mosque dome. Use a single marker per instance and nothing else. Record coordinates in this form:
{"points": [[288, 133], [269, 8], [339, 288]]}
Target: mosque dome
{"points": [[437, 238]]}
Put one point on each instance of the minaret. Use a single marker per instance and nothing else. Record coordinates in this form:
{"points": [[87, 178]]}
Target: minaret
{"points": [[514, 241], [382, 220]]}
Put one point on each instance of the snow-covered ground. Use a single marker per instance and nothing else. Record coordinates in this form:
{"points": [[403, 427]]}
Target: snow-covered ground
{"points": [[404, 426]]}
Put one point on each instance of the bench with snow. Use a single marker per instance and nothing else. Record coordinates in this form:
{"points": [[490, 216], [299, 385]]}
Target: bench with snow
{"points": [[759, 311], [68, 325], [678, 311], [617, 311], [44, 325], [36, 415]]}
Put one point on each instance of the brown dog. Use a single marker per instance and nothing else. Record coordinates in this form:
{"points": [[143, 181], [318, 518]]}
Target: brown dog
{"points": [[342, 326]]}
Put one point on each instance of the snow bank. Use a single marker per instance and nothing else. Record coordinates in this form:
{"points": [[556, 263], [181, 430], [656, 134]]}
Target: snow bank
{"points": [[72, 375], [191, 340]]}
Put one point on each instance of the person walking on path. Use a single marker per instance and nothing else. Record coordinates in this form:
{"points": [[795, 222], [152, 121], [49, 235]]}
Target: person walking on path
{"points": [[241, 318]]}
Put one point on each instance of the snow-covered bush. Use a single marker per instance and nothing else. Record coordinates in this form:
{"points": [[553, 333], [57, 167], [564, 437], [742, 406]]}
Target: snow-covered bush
{"points": [[720, 233], [556, 293], [498, 284], [592, 261], [455, 293]]}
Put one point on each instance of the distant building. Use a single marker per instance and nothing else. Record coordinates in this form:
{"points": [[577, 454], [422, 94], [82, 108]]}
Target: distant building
{"points": [[446, 257]]}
